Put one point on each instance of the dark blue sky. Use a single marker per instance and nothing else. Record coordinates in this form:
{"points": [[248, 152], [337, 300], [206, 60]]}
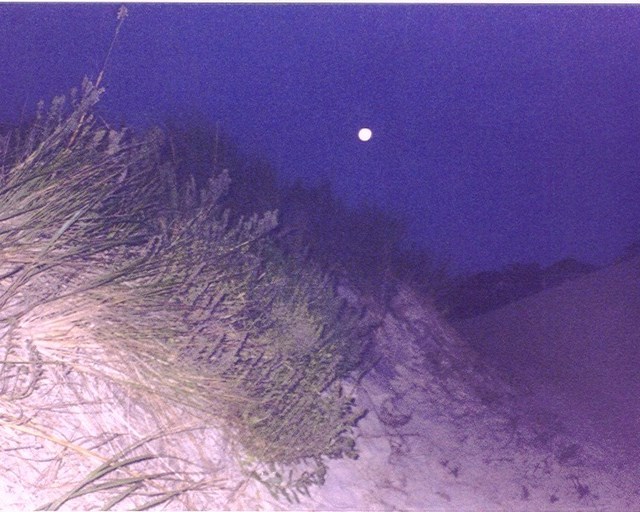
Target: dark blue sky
{"points": [[504, 133]]}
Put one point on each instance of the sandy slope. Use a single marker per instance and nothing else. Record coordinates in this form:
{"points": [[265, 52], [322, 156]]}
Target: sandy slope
{"points": [[579, 342], [445, 432]]}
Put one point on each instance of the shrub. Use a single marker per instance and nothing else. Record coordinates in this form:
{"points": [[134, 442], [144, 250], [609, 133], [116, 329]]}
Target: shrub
{"points": [[175, 296], [359, 243], [428, 275]]}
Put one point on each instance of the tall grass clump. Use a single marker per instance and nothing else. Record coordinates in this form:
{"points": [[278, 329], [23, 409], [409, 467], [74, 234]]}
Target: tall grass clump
{"points": [[111, 265]]}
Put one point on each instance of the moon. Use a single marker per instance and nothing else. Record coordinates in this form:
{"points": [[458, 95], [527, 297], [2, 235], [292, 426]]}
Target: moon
{"points": [[365, 134]]}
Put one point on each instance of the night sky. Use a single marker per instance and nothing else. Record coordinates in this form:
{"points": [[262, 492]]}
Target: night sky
{"points": [[503, 133]]}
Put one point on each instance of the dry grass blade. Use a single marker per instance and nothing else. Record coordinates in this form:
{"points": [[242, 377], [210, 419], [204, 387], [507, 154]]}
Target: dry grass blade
{"points": [[85, 487], [15, 424]]}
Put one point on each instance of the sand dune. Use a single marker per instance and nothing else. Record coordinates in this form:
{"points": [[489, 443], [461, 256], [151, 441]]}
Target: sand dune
{"points": [[444, 431], [577, 346]]}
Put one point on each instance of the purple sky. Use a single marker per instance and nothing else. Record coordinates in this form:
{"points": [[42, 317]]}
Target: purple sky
{"points": [[504, 133]]}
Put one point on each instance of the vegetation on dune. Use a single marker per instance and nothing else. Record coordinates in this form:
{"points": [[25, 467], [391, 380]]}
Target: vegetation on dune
{"points": [[366, 244], [103, 247]]}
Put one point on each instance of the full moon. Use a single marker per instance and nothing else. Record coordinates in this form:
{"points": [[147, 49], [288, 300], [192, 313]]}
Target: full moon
{"points": [[364, 134]]}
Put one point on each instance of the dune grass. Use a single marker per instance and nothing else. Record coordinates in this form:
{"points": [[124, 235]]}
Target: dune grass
{"points": [[111, 268]]}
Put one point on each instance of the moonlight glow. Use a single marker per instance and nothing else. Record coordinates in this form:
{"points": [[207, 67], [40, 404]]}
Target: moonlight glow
{"points": [[364, 134]]}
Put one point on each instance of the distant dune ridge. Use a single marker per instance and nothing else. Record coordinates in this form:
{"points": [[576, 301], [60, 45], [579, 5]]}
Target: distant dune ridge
{"points": [[476, 294], [580, 339]]}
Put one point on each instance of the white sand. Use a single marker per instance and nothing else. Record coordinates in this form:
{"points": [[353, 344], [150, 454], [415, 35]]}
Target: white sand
{"points": [[474, 443], [445, 431]]}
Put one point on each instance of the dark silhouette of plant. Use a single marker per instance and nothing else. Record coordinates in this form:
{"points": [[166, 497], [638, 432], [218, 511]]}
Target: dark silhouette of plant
{"points": [[201, 149], [364, 243]]}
